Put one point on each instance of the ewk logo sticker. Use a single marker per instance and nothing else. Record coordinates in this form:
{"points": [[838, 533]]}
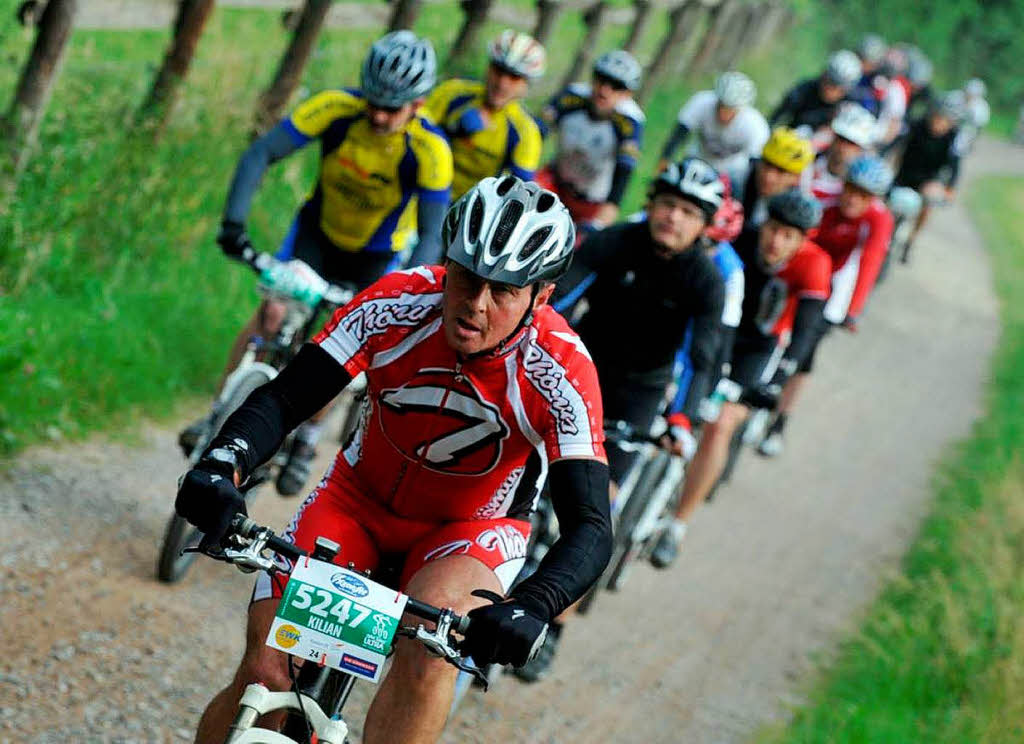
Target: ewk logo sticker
{"points": [[443, 422]]}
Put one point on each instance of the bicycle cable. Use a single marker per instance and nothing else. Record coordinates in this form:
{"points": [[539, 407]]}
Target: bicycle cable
{"points": [[298, 695]]}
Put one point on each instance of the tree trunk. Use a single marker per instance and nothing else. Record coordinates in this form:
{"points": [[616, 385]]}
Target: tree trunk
{"points": [[747, 40], [404, 14], [730, 48], [188, 27], [37, 78], [641, 20], [475, 14], [721, 16], [547, 15], [593, 18], [682, 22], [768, 24], [273, 100]]}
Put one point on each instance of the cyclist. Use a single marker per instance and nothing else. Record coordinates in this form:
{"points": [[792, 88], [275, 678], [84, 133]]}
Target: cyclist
{"points": [[728, 130], [976, 116], [855, 231], [471, 341], [812, 103], [489, 129], [853, 134], [786, 278], [931, 158], [645, 284], [782, 166], [871, 88], [385, 172], [600, 129]]}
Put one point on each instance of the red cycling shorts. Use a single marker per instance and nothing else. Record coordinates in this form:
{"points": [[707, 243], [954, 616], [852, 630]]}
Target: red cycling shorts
{"points": [[366, 530], [581, 210]]}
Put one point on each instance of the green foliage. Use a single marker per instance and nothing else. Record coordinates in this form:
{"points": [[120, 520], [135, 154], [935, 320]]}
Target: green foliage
{"points": [[940, 657], [963, 38]]}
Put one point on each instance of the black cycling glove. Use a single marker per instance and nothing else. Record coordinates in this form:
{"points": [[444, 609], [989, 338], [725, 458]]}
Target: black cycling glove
{"points": [[208, 498], [233, 239], [503, 632], [762, 396]]}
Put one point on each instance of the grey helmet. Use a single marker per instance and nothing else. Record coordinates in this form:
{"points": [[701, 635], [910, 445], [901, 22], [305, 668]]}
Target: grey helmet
{"points": [[695, 180], [796, 208], [735, 90], [843, 68], [919, 70], [975, 87], [621, 66], [511, 231], [855, 123], [399, 68], [870, 173], [952, 105], [872, 48]]}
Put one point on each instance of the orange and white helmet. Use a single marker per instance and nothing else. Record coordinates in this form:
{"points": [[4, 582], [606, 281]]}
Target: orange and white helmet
{"points": [[518, 53]]}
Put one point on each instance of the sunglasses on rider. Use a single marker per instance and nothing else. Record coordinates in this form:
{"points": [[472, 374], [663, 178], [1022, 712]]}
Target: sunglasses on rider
{"points": [[612, 83]]}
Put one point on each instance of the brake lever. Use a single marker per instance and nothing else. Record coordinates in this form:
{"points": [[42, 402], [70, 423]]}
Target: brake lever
{"points": [[436, 643]]}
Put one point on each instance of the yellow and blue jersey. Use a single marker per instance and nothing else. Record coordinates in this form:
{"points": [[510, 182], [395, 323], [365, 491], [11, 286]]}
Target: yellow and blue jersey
{"points": [[366, 194], [504, 140]]}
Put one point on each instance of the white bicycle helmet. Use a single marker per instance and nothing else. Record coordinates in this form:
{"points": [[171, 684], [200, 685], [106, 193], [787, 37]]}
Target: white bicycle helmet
{"points": [[735, 90], [695, 180], [904, 201], [399, 68], [519, 53], [919, 70], [843, 68], [975, 87], [855, 123], [621, 66], [872, 48], [511, 231]]}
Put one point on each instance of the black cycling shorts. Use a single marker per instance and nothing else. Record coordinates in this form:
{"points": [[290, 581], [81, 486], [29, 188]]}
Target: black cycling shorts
{"points": [[634, 402], [309, 244], [754, 361]]}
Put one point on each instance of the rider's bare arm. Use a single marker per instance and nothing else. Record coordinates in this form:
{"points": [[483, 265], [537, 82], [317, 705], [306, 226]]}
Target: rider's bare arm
{"points": [[256, 430], [579, 494]]}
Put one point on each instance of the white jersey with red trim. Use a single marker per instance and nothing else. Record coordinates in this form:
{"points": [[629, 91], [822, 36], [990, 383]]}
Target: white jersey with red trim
{"points": [[825, 186], [443, 438]]}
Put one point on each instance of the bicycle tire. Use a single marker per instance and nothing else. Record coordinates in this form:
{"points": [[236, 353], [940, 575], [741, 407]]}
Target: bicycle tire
{"points": [[626, 546], [172, 565]]}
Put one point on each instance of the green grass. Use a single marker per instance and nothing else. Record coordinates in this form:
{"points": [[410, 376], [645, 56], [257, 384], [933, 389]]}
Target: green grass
{"points": [[940, 656], [114, 300]]}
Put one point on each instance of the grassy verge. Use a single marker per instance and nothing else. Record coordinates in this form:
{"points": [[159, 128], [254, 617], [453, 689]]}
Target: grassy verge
{"points": [[940, 657], [114, 300]]}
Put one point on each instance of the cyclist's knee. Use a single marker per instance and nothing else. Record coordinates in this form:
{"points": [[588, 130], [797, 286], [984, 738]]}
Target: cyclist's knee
{"points": [[260, 663]]}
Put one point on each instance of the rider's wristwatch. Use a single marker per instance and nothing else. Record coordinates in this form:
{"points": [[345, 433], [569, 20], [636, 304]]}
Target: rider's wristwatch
{"points": [[227, 455]]}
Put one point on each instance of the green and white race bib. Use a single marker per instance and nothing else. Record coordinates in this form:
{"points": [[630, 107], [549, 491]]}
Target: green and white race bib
{"points": [[338, 618]]}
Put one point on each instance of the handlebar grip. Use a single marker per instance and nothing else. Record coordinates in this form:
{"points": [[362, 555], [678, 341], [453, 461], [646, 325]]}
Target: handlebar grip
{"points": [[285, 548]]}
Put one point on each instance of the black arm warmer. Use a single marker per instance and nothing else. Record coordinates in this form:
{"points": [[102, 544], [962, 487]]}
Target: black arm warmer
{"points": [[728, 338], [307, 384], [268, 149], [806, 328], [620, 180], [429, 216], [579, 494], [675, 139]]}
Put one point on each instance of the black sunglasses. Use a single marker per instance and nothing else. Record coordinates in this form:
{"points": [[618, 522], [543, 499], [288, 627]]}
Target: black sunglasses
{"points": [[610, 82]]}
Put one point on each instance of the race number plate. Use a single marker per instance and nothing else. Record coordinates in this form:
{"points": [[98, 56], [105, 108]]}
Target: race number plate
{"points": [[338, 618]]}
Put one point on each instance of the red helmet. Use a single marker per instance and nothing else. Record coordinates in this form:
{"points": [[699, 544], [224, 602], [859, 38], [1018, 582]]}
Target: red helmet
{"points": [[728, 220]]}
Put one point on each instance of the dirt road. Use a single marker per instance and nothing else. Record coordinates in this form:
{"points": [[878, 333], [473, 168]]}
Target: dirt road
{"points": [[778, 567]]}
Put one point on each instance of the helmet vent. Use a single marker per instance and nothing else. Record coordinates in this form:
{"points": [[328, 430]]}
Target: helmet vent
{"points": [[476, 220], [505, 186], [545, 202], [506, 224], [533, 243]]}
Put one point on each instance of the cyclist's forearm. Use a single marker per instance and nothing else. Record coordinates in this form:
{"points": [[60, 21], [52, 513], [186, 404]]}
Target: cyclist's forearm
{"points": [[675, 139], [307, 384], [579, 494], [806, 326], [429, 217], [268, 149], [707, 336], [620, 180]]}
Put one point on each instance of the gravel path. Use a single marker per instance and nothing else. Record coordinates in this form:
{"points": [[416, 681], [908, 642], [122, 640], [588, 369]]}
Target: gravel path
{"points": [[782, 563]]}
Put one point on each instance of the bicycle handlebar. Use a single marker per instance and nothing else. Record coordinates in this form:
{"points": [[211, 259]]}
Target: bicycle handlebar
{"points": [[336, 294]]}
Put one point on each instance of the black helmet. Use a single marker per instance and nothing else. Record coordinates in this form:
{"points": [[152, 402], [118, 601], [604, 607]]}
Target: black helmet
{"points": [[695, 180], [795, 208]]}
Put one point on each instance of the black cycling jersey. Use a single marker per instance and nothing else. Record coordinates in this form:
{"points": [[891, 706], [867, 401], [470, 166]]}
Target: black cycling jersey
{"points": [[803, 106], [640, 306], [929, 158]]}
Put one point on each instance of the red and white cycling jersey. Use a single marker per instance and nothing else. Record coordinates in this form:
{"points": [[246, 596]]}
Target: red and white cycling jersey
{"points": [[445, 439], [857, 249], [824, 185]]}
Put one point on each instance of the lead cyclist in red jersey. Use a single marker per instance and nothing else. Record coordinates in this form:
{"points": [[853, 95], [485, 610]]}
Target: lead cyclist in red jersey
{"points": [[477, 391]]}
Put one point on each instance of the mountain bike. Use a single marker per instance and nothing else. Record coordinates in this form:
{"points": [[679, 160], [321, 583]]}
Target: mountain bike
{"points": [[306, 296], [340, 623]]}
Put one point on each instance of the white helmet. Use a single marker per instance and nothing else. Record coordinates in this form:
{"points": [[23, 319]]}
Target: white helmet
{"points": [[620, 66], [519, 53], [872, 48], [975, 87], [511, 231], [843, 68], [735, 90], [855, 123]]}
